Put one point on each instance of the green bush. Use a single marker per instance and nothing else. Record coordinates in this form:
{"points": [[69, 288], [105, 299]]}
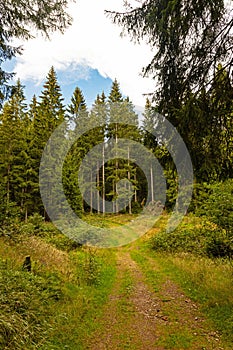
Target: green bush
{"points": [[219, 246], [26, 303], [88, 266], [214, 243], [190, 241], [201, 192], [136, 208], [218, 206]]}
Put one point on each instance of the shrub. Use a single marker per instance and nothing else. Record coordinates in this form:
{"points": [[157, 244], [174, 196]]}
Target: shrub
{"points": [[190, 241], [219, 205], [219, 246]]}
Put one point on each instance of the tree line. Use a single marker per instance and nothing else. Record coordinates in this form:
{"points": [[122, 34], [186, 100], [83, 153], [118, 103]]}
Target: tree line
{"points": [[204, 122]]}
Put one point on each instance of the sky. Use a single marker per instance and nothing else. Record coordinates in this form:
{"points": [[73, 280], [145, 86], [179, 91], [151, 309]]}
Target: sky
{"points": [[90, 55]]}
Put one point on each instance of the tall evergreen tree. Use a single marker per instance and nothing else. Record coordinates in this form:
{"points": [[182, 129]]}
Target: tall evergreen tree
{"points": [[77, 109], [188, 37], [47, 117], [51, 103], [36, 146], [98, 120], [221, 110], [122, 123], [78, 119], [14, 149], [206, 126]]}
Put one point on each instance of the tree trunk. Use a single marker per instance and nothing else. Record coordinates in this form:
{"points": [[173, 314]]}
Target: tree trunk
{"points": [[130, 204], [103, 180], [98, 187], [152, 183]]}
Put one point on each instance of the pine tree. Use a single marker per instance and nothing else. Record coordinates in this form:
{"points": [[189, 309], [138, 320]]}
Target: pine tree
{"points": [[14, 149], [122, 124], [77, 105], [206, 126], [36, 145], [51, 105], [221, 110], [78, 119], [49, 115], [98, 120], [189, 38]]}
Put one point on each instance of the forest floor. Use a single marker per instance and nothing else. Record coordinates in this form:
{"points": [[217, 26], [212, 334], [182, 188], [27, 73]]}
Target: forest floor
{"points": [[150, 316]]}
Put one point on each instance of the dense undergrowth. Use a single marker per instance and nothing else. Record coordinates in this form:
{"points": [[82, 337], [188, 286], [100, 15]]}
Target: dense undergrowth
{"points": [[53, 306], [207, 233]]}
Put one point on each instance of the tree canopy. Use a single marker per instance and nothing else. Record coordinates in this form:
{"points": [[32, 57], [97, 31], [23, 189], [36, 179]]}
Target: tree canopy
{"points": [[189, 38], [18, 18]]}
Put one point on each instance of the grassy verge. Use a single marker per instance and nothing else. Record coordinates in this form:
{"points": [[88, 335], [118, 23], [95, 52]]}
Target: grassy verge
{"points": [[77, 315], [210, 283], [206, 281], [54, 306], [186, 255]]}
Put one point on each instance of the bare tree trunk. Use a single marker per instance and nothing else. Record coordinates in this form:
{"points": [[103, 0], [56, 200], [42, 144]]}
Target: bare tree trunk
{"points": [[135, 191], [152, 183], [103, 180], [98, 187], [91, 195], [26, 214], [116, 189], [130, 204], [8, 188]]}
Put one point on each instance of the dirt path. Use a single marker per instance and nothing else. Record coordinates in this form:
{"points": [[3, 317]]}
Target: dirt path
{"points": [[137, 317]]}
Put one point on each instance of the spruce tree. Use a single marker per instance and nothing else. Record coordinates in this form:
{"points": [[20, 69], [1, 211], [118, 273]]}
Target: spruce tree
{"points": [[78, 118], [98, 120], [14, 149], [36, 146], [50, 115], [52, 110], [122, 123], [221, 110]]}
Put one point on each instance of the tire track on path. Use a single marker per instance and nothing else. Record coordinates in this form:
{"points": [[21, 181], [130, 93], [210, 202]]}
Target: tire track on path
{"points": [[138, 318]]}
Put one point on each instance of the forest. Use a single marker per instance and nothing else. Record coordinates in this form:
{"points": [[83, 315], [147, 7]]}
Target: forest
{"points": [[205, 125], [148, 287]]}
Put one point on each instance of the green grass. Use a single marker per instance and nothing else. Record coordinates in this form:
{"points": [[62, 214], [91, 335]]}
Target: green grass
{"points": [[56, 305], [26, 302], [181, 340], [76, 317], [207, 282]]}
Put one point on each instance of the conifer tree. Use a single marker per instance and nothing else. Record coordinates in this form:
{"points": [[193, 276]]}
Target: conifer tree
{"points": [[221, 110], [36, 146], [78, 118], [122, 123], [14, 149], [51, 114], [77, 105], [98, 120], [51, 103]]}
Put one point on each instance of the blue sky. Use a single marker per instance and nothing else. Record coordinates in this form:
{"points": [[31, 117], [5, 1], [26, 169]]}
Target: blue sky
{"points": [[90, 54], [90, 87], [91, 83]]}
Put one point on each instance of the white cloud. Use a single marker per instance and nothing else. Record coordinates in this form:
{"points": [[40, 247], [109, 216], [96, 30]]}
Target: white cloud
{"points": [[91, 41]]}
